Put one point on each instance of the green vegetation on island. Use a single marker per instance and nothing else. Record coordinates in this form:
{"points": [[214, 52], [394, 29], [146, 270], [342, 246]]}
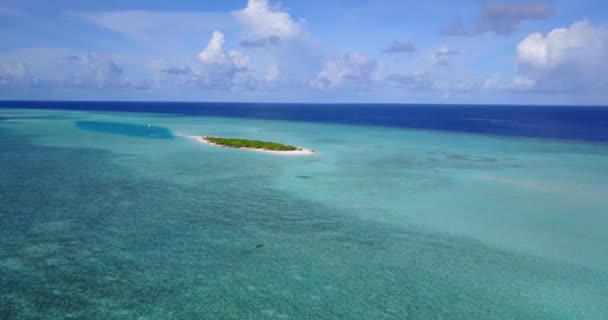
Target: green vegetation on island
{"points": [[246, 143]]}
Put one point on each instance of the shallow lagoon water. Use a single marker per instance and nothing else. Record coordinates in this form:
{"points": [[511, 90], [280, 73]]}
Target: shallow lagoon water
{"points": [[384, 223]]}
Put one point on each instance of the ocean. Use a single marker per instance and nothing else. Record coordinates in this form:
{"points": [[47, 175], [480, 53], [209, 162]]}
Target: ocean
{"points": [[405, 212]]}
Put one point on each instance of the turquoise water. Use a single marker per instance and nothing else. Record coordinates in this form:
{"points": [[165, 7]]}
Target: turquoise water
{"points": [[105, 217]]}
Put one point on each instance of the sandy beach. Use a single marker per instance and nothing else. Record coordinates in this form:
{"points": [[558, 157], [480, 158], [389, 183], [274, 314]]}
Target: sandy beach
{"points": [[299, 152]]}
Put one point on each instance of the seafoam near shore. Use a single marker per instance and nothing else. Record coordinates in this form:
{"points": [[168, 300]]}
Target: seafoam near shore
{"points": [[299, 152]]}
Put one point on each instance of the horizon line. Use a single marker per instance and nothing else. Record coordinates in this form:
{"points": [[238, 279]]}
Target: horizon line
{"points": [[2, 101]]}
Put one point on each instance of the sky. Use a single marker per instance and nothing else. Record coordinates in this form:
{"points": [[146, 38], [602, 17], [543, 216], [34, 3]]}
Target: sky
{"points": [[468, 51]]}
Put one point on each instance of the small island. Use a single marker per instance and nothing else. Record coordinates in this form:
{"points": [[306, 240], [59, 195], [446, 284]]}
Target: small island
{"points": [[253, 145], [246, 143]]}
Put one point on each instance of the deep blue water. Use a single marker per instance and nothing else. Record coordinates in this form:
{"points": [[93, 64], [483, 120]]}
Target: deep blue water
{"points": [[571, 123]]}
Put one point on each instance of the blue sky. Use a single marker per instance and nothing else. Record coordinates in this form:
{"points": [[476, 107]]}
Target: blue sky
{"points": [[468, 51]]}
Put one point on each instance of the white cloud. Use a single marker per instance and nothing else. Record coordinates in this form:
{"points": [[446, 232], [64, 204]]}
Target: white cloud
{"points": [[533, 50], [355, 70], [62, 68], [170, 33], [240, 61], [564, 60], [167, 38], [494, 81], [216, 68], [265, 25], [567, 59], [15, 75], [563, 45], [214, 52], [516, 84], [95, 71], [520, 83], [410, 81], [358, 71], [465, 83], [272, 73]]}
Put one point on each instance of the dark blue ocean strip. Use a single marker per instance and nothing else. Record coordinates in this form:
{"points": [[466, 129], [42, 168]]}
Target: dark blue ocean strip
{"points": [[571, 123]]}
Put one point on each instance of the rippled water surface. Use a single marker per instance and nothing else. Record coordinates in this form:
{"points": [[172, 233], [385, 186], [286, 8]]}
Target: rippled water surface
{"points": [[111, 215]]}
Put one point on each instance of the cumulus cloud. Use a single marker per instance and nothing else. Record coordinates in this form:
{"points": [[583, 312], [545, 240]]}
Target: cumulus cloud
{"points": [[90, 70], [495, 81], [15, 75], [501, 17], [99, 71], [410, 81], [272, 73], [352, 70], [94, 71], [566, 59], [240, 61], [216, 68], [461, 84], [562, 45], [214, 52], [47, 68], [357, 71], [400, 47], [265, 25], [516, 84], [166, 32]]}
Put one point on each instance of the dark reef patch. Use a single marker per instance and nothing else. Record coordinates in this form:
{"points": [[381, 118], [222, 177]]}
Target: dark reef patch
{"points": [[463, 157], [126, 129]]}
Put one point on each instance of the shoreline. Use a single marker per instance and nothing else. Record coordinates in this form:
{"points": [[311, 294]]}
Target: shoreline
{"points": [[299, 152]]}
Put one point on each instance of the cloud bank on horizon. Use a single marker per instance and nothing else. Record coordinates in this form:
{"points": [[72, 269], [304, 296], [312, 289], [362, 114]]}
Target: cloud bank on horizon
{"points": [[494, 51]]}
